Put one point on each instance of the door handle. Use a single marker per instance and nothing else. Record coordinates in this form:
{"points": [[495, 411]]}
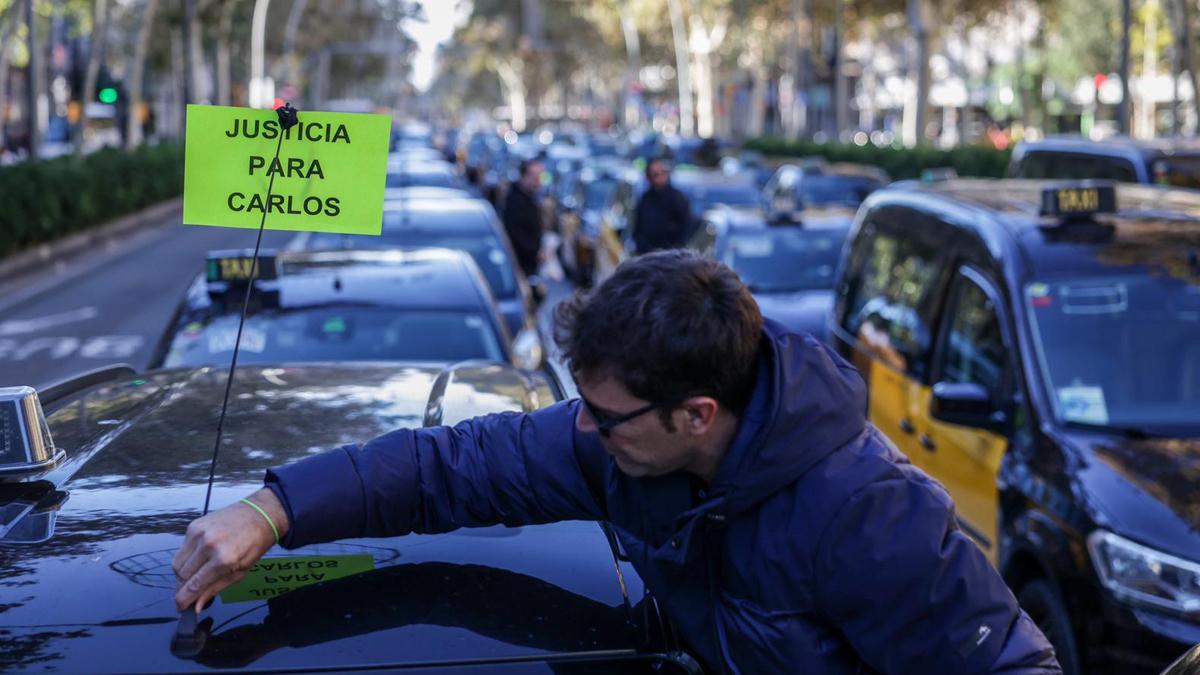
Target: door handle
{"points": [[906, 426], [927, 443]]}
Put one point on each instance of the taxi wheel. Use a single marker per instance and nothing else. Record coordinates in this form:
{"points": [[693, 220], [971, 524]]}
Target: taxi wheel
{"points": [[1040, 600]]}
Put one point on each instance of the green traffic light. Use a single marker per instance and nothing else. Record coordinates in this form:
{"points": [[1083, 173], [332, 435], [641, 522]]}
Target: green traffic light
{"points": [[107, 95]]}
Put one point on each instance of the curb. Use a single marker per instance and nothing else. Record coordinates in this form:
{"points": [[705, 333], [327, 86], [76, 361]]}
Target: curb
{"points": [[63, 249]]}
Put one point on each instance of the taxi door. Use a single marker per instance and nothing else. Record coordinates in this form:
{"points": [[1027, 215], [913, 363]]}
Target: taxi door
{"points": [[972, 348], [884, 327]]}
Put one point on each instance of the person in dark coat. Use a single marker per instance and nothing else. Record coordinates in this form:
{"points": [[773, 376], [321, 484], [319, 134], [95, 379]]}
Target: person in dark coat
{"points": [[780, 531], [523, 217], [662, 218]]}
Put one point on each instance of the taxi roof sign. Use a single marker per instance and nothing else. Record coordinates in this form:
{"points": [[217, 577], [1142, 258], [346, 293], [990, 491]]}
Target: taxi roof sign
{"points": [[1072, 201], [236, 267]]}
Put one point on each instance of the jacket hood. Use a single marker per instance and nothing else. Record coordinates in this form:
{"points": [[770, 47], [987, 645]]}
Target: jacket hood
{"points": [[807, 402]]}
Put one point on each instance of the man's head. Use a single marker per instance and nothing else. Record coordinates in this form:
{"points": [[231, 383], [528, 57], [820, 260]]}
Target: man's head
{"points": [[531, 174], [658, 174], [672, 337]]}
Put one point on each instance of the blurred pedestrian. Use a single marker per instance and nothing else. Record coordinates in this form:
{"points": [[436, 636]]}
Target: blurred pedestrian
{"points": [[662, 218], [523, 216]]}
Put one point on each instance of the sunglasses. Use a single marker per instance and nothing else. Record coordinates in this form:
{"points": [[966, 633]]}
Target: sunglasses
{"points": [[605, 422]]}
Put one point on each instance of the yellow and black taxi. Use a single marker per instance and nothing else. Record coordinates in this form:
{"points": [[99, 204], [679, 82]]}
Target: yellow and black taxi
{"points": [[100, 476], [414, 305], [1035, 347]]}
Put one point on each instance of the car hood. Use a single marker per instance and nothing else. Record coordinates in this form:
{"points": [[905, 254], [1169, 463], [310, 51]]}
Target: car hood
{"points": [[805, 311], [1146, 487], [97, 594]]}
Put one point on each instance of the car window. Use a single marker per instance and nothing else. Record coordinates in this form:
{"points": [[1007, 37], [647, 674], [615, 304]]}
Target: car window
{"points": [[1182, 171], [782, 259], [885, 307], [485, 248], [1120, 350], [1076, 167], [973, 350], [337, 334]]}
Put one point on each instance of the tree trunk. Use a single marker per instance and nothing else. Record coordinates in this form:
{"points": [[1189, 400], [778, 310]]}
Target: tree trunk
{"points": [[915, 108], [841, 90], [100, 12], [513, 80], [633, 52], [757, 109], [704, 43], [133, 135], [682, 68], [16, 14], [1189, 55], [200, 86], [1123, 106], [224, 52]]}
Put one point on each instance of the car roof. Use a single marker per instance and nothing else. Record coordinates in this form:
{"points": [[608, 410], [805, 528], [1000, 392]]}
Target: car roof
{"points": [[1115, 145], [1152, 226], [428, 278], [139, 453], [461, 214]]}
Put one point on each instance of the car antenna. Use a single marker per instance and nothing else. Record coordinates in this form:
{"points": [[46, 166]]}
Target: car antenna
{"points": [[288, 118]]}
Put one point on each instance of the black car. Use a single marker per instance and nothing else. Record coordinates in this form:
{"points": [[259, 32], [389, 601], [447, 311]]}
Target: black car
{"points": [[406, 171], [1165, 161], [96, 496], [426, 217], [411, 305], [788, 265], [819, 184], [1035, 347]]}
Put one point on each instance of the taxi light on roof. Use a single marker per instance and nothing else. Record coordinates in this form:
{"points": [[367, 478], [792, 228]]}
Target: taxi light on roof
{"points": [[1078, 201], [236, 267], [25, 443]]}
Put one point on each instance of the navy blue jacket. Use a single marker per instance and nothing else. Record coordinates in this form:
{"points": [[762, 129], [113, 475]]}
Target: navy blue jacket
{"points": [[817, 549]]}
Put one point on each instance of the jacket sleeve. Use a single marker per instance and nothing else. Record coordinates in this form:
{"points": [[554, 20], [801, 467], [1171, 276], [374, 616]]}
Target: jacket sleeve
{"points": [[911, 593], [508, 468]]}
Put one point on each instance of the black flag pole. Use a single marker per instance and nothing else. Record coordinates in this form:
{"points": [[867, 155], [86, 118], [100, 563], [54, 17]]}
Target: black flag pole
{"points": [[288, 118]]}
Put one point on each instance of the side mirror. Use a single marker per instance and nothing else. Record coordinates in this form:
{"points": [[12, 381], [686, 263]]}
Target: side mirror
{"points": [[966, 404], [527, 350]]}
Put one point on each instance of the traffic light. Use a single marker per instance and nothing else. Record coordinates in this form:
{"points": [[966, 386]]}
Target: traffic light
{"points": [[107, 95]]}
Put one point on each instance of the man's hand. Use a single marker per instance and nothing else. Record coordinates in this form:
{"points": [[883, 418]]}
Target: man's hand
{"points": [[221, 547]]}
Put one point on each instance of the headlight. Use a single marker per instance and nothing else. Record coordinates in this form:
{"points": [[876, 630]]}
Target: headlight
{"points": [[1142, 576]]}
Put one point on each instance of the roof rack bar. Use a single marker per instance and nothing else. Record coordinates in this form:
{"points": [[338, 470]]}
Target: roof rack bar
{"points": [[64, 388]]}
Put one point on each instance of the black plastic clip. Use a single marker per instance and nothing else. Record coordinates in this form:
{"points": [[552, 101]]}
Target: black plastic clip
{"points": [[288, 116]]}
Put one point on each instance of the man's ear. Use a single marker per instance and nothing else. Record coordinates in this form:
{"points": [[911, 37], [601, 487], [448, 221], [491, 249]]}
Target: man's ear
{"points": [[700, 412]]}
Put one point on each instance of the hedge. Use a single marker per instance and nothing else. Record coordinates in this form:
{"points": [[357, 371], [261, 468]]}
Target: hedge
{"points": [[42, 201], [900, 163]]}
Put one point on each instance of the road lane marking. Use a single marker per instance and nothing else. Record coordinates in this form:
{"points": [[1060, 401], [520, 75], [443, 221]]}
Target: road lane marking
{"points": [[19, 326]]}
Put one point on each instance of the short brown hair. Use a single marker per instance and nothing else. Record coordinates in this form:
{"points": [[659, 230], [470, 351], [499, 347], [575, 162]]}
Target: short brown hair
{"points": [[667, 325]]}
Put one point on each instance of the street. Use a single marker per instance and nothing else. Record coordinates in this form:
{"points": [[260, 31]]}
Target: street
{"points": [[110, 306]]}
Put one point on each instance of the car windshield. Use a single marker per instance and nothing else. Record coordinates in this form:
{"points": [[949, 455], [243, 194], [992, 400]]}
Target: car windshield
{"points": [[784, 258], [598, 194], [1181, 171], [442, 179], [835, 190], [337, 334], [1120, 351], [705, 197]]}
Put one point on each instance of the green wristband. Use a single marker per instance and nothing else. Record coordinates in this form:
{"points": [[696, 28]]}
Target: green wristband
{"points": [[262, 513]]}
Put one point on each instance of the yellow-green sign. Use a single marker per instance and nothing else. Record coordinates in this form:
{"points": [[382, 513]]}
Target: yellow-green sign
{"points": [[329, 176], [273, 577]]}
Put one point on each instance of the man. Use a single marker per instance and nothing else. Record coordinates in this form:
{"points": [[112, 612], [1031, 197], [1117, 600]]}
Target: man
{"points": [[523, 216], [663, 217], [779, 530]]}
